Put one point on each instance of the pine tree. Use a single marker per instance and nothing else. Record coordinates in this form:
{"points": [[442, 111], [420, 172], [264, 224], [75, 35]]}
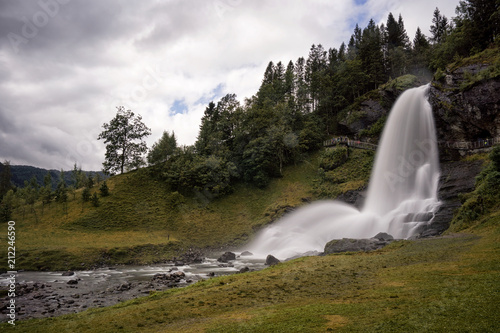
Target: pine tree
{"points": [[439, 27], [104, 189], [86, 194], [5, 179], [95, 200]]}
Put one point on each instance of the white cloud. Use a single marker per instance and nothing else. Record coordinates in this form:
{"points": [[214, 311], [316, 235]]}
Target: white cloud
{"points": [[64, 81]]}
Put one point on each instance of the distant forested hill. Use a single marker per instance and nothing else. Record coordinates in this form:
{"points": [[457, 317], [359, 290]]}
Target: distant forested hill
{"points": [[22, 173]]}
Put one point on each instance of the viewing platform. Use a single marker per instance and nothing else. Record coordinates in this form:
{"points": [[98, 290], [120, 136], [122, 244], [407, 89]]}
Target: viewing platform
{"points": [[458, 145], [345, 141]]}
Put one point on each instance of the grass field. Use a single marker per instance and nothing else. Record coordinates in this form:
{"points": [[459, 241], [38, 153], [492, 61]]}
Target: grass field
{"points": [[448, 284]]}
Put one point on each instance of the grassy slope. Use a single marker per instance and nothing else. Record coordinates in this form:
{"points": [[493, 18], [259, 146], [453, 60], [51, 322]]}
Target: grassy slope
{"points": [[447, 284], [436, 285], [143, 222]]}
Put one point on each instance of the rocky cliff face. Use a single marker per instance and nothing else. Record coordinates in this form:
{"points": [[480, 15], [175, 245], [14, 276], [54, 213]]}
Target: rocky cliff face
{"points": [[364, 119], [465, 107]]}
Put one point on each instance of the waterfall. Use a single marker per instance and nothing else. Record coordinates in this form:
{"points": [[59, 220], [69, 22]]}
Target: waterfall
{"points": [[402, 194]]}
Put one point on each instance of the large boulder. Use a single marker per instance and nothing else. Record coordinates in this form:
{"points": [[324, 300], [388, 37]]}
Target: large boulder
{"points": [[226, 257], [272, 260], [356, 245]]}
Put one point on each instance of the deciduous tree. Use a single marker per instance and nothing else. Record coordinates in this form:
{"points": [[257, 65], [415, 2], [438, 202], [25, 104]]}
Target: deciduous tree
{"points": [[124, 137]]}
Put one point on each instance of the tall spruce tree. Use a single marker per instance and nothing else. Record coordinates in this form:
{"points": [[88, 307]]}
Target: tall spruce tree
{"points": [[439, 27]]}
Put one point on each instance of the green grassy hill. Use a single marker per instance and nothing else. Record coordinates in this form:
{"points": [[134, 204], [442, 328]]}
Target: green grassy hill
{"points": [[142, 221], [443, 284], [446, 284]]}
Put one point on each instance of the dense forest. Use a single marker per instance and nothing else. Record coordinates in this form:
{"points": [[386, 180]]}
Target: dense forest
{"points": [[301, 103], [298, 105]]}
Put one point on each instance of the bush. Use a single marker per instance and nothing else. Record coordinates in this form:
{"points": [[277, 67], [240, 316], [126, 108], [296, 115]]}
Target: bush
{"points": [[95, 200], [86, 194], [104, 189], [331, 159], [484, 198]]}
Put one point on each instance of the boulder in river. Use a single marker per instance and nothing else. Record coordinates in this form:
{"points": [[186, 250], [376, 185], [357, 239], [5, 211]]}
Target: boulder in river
{"points": [[226, 257], [272, 260]]}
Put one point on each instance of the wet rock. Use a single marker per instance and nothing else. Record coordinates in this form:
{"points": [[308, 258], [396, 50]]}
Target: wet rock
{"points": [[246, 253], [305, 254], [457, 177], [354, 245], [244, 269], [272, 260], [226, 257], [383, 236], [169, 279], [124, 286], [72, 282], [68, 273]]}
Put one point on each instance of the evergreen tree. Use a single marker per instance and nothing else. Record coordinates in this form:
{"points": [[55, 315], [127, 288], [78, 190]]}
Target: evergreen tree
{"points": [[397, 46], [370, 54], [104, 189], [439, 27], [420, 53], [5, 179], [125, 146], [301, 90], [478, 21], [315, 65], [95, 200], [46, 192], [86, 194]]}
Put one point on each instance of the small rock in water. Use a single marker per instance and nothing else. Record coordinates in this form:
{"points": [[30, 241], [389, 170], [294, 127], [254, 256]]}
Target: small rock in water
{"points": [[68, 273], [226, 257], [246, 253], [245, 269], [72, 282], [272, 260]]}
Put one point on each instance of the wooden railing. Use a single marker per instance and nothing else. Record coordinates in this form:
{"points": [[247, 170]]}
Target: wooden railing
{"points": [[461, 145], [345, 141]]}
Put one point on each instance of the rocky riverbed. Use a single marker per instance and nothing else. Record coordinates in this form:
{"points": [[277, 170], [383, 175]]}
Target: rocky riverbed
{"points": [[48, 294]]}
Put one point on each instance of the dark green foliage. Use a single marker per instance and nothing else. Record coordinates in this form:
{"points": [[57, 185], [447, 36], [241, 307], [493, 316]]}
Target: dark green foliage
{"points": [[5, 178], [104, 189], [484, 198], [95, 200], [123, 137], [333, 158], [163, 149], [495, 158], [189, 173], [86, 194], [6, 210], [300, 104]]}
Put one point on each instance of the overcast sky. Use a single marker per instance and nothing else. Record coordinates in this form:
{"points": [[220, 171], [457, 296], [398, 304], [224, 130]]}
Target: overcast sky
{"points": [[66, 64]]}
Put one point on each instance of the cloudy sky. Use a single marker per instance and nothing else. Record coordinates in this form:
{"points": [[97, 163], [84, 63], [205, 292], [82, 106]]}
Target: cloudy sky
{"points": [[66, 64]]}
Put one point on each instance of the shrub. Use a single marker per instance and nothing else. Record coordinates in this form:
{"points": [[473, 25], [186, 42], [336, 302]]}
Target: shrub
{"points": [[95, 200], [104, 189]]}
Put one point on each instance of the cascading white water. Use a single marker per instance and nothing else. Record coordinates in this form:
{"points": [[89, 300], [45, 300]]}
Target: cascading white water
{"points": [[402, 194]]}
